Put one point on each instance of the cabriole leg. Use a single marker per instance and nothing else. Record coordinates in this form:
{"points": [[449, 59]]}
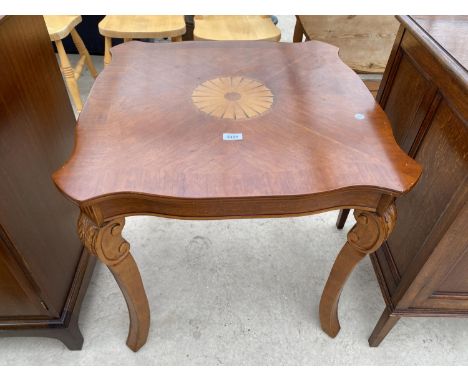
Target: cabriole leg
{"points": [[106, 242], [367, 235]]}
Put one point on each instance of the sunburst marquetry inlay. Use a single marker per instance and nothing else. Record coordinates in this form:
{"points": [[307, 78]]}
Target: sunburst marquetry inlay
{"points": [[233, 97]]}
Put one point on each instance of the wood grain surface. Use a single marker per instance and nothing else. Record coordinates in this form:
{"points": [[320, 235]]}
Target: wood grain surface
{"points": [[60, 27], [423, 267], [140, 132], [144, 145], [232, 97], [449, 32], [223, 28], [43, 268], [115, 26], [365, 41]]}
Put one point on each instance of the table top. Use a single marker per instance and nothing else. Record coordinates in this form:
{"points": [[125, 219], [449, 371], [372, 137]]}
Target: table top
{"points": [[450, 32], [155, 119]]}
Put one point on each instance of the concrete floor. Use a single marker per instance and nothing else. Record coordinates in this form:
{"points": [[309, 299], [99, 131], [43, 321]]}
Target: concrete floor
{"points": [[241, 292]]}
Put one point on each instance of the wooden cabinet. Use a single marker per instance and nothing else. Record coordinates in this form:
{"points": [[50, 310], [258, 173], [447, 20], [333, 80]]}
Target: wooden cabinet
{"points": [[43, 268], [423, 267]]}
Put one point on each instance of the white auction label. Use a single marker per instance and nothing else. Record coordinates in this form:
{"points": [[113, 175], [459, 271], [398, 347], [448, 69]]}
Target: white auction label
{"points": [[232, 137]]}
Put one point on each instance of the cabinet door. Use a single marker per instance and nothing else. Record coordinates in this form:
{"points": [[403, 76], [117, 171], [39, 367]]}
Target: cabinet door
{"points": [[443, 155], [36, 137], [447, 288], [430, 237], [407, 100], [18, 297]]}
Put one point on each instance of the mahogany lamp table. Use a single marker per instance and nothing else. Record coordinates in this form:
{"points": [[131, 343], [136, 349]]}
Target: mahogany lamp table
{"points": [[221, 130]]}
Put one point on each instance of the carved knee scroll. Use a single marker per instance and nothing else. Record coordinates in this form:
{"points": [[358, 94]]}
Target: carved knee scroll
{"points": [[371, 229], [104, 241]]}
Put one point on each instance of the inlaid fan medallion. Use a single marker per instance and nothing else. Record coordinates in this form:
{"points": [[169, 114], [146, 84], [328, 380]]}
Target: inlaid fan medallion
{"points": [[232, 97]]}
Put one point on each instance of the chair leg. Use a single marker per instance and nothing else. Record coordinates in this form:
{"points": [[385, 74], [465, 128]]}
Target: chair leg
{"points": [[69, 76], [298, 31], [127, 39], [383, 327], [343, 215], [176, 38], [80, 46], [107, 47]]}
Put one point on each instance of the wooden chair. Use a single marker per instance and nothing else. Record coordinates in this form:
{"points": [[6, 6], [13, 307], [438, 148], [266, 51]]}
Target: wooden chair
{"points": [[365, 41], [130, 27], [235, 28], [60, 27]]}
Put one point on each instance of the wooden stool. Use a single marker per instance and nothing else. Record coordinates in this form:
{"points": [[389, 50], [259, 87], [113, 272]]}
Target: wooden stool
{"points": [[60, 27], [235, 28], [130, 27]]}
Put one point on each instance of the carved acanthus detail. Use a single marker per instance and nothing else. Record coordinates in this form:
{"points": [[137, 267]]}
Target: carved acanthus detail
{"points": [[104, 241], [371, 229]]}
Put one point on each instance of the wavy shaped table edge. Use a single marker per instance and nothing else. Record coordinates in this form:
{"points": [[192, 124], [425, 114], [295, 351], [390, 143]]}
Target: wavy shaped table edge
{"points": [[102, 219]]}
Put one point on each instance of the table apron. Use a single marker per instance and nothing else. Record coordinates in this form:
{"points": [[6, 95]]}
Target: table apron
{"points": [[117, 205]]}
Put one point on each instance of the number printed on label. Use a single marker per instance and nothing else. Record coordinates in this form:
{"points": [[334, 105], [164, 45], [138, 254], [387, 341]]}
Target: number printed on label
{"points": [[232, 137]]}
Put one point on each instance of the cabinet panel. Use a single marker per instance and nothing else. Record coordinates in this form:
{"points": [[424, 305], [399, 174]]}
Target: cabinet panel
{"points": [[44, 271], [406, 106], [456, 282], [447, 288], [15, 300], [423, 268], [17, 295], [444, 157], [36, 137]]}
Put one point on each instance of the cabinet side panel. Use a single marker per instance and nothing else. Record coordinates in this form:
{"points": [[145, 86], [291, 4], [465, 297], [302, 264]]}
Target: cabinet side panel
{"points": [[36, 137], [456, 282], [14, 299], [408, 102], [447, 287], [444, 157]]}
